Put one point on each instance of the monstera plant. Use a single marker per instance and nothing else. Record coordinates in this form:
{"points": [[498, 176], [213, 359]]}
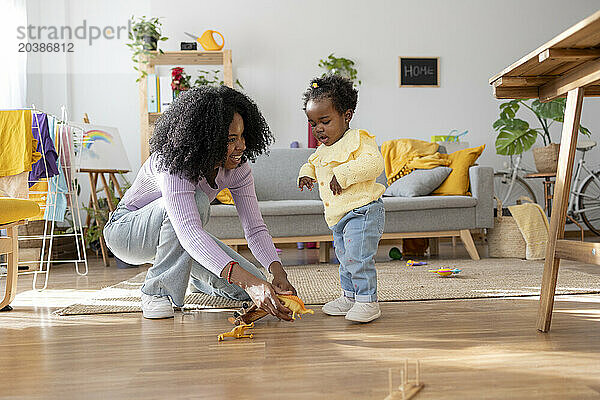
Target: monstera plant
{"points": [[516, 136]]}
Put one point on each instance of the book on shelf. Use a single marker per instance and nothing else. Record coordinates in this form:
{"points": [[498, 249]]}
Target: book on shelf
{"points": [[165, 93], [153, 100]]}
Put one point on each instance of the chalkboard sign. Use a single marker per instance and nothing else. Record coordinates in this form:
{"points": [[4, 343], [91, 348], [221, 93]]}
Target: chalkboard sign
{"points": [[419, 71]]}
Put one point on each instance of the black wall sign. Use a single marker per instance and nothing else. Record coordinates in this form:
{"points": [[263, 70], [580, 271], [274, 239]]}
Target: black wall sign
{"points": [[419, 71]]}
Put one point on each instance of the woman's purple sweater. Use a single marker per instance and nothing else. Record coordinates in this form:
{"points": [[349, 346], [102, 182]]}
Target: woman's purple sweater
{"points": [[178, 194]]}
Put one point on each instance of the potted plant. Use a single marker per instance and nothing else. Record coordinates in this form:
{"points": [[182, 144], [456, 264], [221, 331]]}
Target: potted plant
{"points": [[211, 78], [144, 36], [180, 81], [516, 136], [339, 65]]}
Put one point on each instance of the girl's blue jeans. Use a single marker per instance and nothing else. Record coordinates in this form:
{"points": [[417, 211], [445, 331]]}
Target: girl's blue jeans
{"points": [[146, 235], [356, 237]]}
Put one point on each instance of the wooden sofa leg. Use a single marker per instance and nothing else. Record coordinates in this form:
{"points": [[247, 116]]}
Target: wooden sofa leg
{"points": [[324, 252], [467, 239], [10, 246], [434, 246]]}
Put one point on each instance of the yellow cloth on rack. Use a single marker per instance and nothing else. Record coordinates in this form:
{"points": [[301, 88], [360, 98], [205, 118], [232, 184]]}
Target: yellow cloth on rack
{"points": [[39, 194], [402, 156], [17, 145], [534, 227], [13, 210]]}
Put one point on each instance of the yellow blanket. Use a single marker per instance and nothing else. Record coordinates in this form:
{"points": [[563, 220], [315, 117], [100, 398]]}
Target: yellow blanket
{"points": [[533, 224], [402, 156], [17, 145]]}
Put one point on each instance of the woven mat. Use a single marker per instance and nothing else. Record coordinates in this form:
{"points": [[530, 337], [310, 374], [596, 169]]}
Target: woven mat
{"points": [[317, 284]]}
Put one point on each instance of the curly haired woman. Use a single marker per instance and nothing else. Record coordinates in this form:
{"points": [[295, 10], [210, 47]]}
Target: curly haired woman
{"points": [[200, 146]]}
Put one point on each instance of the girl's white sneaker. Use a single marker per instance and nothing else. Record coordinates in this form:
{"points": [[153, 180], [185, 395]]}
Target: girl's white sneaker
{"points": [[339, 306], [364, 312]]}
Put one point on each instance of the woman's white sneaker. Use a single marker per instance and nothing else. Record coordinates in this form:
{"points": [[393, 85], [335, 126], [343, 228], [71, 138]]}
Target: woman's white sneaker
{"points": [[364, 312], [339, 306], [155, 307]]}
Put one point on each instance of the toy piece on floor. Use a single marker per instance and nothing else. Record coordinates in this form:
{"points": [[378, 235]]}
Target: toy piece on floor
{"points": [[445, 271], [295, 304], [395, 253], [250, 312], [237, 332], [411, 263], [247, 314], [408, 389]]}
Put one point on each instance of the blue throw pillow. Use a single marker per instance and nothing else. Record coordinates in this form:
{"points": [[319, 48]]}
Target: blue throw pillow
{"points": [[420, 182]]}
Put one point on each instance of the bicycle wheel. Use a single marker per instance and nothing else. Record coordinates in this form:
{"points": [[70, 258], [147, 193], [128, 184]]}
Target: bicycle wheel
{"points": [[589, 203], [502, 183]]}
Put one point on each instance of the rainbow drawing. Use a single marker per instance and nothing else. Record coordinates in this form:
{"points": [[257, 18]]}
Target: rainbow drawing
{"points": [[91, 136]]}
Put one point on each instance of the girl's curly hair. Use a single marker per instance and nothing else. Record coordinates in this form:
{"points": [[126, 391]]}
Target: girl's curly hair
{"points": [[191, 136], [339, 89]]}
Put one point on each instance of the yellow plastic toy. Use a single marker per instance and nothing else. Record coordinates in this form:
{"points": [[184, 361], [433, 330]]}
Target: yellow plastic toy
{"points": [[295, 304], [237, 332]]}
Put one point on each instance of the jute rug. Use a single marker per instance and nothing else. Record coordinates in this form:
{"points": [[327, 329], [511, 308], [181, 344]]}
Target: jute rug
{"points": [[317, 284]]}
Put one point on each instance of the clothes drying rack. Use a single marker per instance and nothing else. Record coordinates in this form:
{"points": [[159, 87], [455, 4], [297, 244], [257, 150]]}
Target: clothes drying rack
{"points": [[68, 144]]}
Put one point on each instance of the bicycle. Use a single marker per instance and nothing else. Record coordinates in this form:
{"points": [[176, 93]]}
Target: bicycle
{"points": [[584, 198], [509, 185]]}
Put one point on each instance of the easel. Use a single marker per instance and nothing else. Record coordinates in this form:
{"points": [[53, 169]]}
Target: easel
{"points": [[568, 64], [93, 202]]}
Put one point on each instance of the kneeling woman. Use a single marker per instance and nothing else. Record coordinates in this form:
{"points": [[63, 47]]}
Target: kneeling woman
{"points": [[200, 146]]}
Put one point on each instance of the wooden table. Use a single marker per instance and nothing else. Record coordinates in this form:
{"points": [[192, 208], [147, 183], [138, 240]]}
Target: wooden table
{"points": [[568, 64]]}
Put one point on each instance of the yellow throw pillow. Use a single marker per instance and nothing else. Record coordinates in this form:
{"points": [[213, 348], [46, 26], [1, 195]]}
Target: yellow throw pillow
{"points": [[225, 197], [457, 183], [13, 210]]}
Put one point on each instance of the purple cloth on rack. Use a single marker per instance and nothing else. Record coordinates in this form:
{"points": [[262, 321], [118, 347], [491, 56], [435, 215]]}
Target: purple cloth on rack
{"points": [[49, 155]]}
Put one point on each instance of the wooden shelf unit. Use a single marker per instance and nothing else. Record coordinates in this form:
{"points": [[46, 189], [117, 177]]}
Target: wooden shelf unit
{"points": [[175, 58]]}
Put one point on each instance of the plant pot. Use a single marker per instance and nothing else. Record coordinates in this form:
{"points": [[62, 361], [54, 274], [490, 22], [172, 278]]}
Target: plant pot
{"points": [[546, 158], [150, 43]]}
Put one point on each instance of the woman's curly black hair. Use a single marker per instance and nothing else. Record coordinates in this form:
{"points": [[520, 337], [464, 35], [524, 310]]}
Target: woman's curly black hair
{"points": [[191, 136], [339, 89]]}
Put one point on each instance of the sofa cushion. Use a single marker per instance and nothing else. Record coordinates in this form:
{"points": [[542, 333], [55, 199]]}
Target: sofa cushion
{"points": [[420, 182], [427, 202], [312, 207], [276, 175], [457, 182]]}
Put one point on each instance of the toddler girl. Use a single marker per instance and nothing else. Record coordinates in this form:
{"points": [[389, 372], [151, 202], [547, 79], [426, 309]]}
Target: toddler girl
{"points": [[345, 167]]}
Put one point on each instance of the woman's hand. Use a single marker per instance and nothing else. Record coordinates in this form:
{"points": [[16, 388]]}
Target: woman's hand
{"points": [[306, 181], [280, 279], [262, 293], [335, 186]]}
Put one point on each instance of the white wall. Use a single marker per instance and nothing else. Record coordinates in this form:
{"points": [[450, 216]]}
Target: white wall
{"points": [[276, 46]]}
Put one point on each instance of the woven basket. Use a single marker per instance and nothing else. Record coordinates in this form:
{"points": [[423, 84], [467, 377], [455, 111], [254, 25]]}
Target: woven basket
{"points": [[505, 239], [546, 158]]}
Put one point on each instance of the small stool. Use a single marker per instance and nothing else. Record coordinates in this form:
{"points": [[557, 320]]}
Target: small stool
{"points": [[13, 213]]}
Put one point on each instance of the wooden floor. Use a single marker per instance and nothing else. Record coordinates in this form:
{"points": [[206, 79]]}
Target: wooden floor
{"points": [[469, 349]]}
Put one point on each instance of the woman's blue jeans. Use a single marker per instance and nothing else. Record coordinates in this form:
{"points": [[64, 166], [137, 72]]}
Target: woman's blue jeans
{"points": [[356, 237], [146, 235]]}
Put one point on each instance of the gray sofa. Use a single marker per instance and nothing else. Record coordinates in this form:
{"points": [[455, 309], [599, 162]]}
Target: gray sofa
{"points": [[297, 216]]}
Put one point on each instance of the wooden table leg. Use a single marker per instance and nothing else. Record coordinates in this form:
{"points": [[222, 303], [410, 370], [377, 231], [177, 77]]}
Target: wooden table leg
{"points": [[562, 189]]}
